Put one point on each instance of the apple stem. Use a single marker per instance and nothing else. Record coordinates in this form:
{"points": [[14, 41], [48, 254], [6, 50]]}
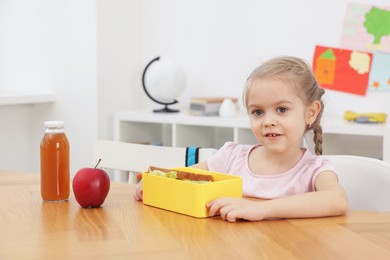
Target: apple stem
{"points": [[98, 163]]}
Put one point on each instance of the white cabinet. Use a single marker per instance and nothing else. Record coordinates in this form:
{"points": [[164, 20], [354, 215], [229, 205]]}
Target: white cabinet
{"points": [[182, 130]]}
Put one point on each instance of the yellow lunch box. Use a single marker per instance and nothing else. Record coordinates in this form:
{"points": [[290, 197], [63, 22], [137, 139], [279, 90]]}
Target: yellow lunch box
{"points": [[185, 197]]}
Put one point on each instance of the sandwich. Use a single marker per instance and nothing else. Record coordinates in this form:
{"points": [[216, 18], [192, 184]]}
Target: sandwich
{"points": [[180, 175]]}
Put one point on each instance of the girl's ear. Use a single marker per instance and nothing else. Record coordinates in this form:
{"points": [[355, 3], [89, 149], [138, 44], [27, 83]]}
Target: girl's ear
{"points": [[312, 112]]}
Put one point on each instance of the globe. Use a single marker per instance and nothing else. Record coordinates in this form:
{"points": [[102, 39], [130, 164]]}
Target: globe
{"points": [[164, 81]]}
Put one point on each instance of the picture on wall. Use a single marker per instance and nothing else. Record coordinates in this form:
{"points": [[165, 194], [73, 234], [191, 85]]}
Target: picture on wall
{"points": [[380, 72], [366, 28], [342, 69]]}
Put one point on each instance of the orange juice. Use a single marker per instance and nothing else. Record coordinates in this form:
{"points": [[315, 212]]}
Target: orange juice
{"points": [[55, 181]]}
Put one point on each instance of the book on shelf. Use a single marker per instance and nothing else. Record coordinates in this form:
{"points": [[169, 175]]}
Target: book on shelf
{"points": [[207, 100], [207, 106], [210, 109]]}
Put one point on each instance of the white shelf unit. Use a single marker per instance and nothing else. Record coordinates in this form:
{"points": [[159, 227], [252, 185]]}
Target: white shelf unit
{"points": [[182, 130]]}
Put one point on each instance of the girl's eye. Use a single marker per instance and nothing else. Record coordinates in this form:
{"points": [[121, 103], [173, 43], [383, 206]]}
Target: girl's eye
{"points": [[257, 112], [281, 109]]}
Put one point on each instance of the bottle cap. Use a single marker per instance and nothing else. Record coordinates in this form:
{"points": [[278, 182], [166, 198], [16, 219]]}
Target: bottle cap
{"points": [[54, 124]]}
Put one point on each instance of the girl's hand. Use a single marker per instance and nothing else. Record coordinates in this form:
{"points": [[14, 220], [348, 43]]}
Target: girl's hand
{"points": [[138, 193], [232, 209]]}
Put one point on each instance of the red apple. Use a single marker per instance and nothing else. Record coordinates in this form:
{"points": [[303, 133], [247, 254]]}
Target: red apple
{"points": [[90, 187]]}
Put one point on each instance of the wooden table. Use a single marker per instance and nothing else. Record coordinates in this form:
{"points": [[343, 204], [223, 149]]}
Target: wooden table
{"points": [[124, 228]]}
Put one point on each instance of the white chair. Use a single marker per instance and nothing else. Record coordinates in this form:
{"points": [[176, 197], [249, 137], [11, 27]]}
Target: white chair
{"points": [[366, 181], [133, 158]]}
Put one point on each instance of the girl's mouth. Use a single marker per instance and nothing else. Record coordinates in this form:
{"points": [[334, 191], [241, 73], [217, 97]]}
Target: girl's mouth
{"points": [[272, 135]]}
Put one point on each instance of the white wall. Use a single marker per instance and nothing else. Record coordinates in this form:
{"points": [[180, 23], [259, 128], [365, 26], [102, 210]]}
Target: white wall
{"points": [[119, 60], [91, 53], [48, 45], [219, 42]]}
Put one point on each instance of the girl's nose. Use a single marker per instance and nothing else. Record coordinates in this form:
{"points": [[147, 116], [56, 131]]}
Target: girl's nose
{"points": [[269, 122]]}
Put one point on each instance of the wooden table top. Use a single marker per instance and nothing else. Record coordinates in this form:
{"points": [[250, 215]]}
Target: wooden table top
{"points": [[124, 228]]}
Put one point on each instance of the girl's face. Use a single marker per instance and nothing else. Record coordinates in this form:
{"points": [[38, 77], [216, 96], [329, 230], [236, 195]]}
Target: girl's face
{"points": [[278, 116]]}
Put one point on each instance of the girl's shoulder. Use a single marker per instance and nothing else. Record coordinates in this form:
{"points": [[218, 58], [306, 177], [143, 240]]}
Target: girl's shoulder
{"points": [[232, 147], [231, 157], [318, 162]]}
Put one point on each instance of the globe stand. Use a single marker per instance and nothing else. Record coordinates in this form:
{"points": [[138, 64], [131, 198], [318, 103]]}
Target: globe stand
{"points": [[166, 109]]}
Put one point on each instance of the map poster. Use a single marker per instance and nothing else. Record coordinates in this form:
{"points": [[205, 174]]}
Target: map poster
{"points": [[366, 28], [342, 70]]}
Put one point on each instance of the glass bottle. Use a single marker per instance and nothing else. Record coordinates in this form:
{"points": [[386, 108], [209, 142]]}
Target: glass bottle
{"points": [[55, 183]]}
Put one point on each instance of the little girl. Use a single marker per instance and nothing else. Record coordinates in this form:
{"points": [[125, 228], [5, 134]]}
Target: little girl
{"points": [[283, 101]]}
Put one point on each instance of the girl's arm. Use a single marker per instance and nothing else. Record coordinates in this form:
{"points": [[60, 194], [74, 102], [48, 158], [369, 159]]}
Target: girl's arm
{"points": [[329, 199], [138, 192]]}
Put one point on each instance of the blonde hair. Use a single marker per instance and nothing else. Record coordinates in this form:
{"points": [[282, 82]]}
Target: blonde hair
{"points": [[298, 74]]}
